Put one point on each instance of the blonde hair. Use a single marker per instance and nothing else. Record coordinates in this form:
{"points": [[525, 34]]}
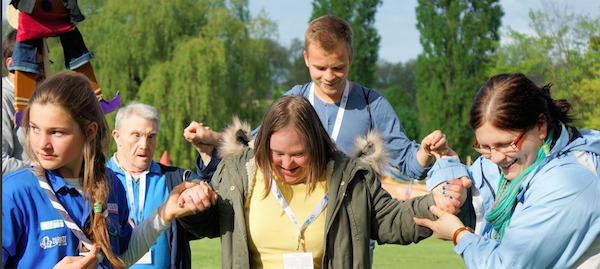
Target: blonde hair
{"points": [[327, 31]]}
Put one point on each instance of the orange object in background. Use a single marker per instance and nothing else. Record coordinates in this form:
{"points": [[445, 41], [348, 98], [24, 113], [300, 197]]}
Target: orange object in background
{"points": [[164, 159]]}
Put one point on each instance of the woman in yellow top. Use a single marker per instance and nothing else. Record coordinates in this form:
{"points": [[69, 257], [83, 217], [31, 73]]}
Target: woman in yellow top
{"points": [[293, 199]]}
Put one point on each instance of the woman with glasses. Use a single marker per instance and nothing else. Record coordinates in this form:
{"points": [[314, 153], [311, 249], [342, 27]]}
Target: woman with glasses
{"points": [[537, 182]]}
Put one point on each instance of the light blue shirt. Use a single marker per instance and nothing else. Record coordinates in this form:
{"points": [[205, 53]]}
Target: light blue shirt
{"points": [[356, 122], [33, 232], [557, 216], [156, 194]]}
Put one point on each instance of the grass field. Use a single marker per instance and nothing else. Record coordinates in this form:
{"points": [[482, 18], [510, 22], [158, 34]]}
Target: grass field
{"points": [[429, 253]]}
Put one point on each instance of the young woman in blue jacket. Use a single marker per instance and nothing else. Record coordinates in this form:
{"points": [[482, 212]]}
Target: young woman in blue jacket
{"points": [[538, 179], [68, 210]]}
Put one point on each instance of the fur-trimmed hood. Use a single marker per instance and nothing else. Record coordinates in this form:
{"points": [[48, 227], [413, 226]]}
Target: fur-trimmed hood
{"points": [[235, 137], [369, 148]]}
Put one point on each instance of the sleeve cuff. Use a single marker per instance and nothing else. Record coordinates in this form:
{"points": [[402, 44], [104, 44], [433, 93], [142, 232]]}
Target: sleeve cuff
{"points": [[445, 169], [206, 171], [464, 242], [159, 223]]}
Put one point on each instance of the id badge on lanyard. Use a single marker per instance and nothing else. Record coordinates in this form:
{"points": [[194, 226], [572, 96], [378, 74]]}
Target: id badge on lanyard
{"points": [[299, 260]]}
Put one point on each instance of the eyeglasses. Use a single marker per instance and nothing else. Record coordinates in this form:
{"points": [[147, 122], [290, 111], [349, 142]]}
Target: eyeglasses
{"points": [[504, 148]]}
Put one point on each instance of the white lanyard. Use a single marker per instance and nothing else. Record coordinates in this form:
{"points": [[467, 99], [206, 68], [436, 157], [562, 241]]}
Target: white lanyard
{"points": [[341, 109], [136, 216], [311, 218]]}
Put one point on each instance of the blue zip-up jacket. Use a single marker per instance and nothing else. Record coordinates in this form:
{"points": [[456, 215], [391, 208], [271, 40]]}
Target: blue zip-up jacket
{"points": [[34, 234], [160, 182], [557, 217]]}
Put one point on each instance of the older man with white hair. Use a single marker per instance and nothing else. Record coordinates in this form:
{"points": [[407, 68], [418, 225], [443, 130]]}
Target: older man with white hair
{"points": [[148, 183]]}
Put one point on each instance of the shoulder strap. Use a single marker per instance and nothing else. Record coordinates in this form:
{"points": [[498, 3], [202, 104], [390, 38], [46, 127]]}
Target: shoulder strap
{"points": [[304, 88], [366, 94]]}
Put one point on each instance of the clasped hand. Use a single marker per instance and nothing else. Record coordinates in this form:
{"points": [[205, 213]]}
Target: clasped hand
{"points": [[186, 199], [449, 197]]}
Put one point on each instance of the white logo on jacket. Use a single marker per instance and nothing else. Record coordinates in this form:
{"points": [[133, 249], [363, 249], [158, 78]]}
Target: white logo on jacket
{"points": [[55, 241]]}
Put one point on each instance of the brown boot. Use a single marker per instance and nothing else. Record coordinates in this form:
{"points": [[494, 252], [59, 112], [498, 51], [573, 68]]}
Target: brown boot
{"points": [[24, 85], [107, 106]]}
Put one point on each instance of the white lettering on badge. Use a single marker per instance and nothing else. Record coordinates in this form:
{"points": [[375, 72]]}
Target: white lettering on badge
{"points": [[48, 242]]}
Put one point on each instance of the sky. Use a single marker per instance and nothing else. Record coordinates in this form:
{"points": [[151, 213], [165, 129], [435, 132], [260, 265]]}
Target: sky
{"points": [[396, 20]]}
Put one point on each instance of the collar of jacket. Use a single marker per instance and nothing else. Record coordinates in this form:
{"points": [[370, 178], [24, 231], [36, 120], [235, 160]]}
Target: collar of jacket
{"points": [[368, 152], [369, 149]]}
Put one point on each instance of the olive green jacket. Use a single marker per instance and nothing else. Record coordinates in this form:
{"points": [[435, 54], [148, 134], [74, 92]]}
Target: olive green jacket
{"points": [[358, 209]]}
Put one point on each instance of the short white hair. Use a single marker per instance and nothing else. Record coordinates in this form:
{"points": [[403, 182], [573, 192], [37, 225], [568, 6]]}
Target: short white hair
{"points": [[143, 110]]}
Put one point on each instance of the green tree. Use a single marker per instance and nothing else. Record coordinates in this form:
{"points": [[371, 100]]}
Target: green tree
{"points": [[457, 37], [279, 64], [202, 60], [224, 71], [360, 14], [562, 50], [129, 38], [297, 72], [397, 74], [590, 89], [406, 110], [396, 83]]}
